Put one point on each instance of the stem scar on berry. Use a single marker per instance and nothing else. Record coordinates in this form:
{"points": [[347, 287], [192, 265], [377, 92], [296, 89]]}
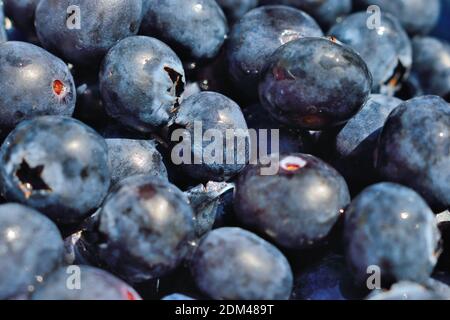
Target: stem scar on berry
{"points": [[177, 88], [292, 164], [58, 87], [31, 179]]}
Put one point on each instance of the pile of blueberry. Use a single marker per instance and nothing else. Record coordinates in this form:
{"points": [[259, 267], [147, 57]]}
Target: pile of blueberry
{"points": [[94, 206]]}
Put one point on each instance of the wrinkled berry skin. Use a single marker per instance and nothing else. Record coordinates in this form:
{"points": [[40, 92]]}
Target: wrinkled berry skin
{"points": [[56, 165], [306, 84], [356, 142], [31, 246], [35, 83], [416, 16], [386, 49], [235, 9], [234, 264], [431, 65], [131, 157], [102, 24], [3, 36], [327, 279], [21, 12], [381, 226], [298, 206], [141, 81], [256, 37], [414, 149], [211, 111], [95, 284], [146, 224], [326, 12], [194, 28]]}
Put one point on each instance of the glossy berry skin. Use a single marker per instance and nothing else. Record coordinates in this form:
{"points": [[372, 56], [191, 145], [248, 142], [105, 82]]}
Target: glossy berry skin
{"points": [[35, 83], [146, 224], [256, 37], [211, 111], [307, 84], [21, 12], [381, 226], [3, 36], [31, 247], [431, 65], [102, 24], [356, 142], [95, 284], [386, 49], [141, 81], [416, 16], [327, 279], [194, 28], [56, 165], [235, 9], [326, 12], [298, 206], [234, 264], [414, 149], [131, 157]]}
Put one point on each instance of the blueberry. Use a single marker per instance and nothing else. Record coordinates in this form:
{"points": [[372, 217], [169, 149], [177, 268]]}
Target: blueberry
{"points": [[234, 264], [141, 82], [199, 114], [57, 165], [131, 157], [177, 297], [356, 142], [327, 279], [314, 83], [235, 9], [146, 226], [391, 227], [296, 208], [431, 65], [416, 16], [326, 12], [102, 24], [95, 284], [21, 12], [3, 36], [406, 290], [257, 35], [196, 28], [35, 83], [414, 148], [30, 247], [385, 48]]}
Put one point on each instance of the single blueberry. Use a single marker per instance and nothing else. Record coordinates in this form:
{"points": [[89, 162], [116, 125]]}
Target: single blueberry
{"points": [[416, 16], [30, 248], [194, 28], [235, 9], [131, 157], [414, 149], [390, 227], [146, 227], [296, 207], [385, 48], [34, 83], [177, 297], [21, 12], [85, 33], [232, 263], [256, 37], [57, 165], [141, 81], [95, 284], [314, 83], [431, 65], [206, 123]]}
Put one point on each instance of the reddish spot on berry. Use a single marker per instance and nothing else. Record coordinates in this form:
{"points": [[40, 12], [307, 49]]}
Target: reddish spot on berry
{"points": [[129, 295], [292, 164], [58, 87]]}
